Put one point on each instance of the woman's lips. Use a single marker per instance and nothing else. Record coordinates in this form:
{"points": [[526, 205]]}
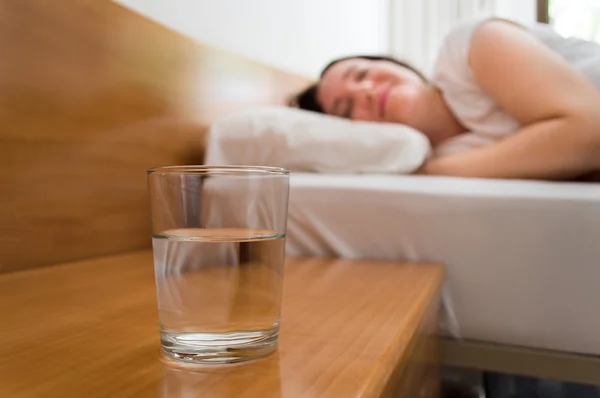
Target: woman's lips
{"points": [[383, 100]]}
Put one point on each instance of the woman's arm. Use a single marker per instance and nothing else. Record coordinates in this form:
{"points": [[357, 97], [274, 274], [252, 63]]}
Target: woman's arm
{"points": [[558, 107]]}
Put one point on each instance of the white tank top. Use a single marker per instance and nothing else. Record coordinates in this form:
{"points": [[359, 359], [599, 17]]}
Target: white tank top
{"points": [[485, 120]]}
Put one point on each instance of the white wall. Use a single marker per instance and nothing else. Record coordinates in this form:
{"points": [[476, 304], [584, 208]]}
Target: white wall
{"points": [[419, 27], [523, 11], [297, 35]]}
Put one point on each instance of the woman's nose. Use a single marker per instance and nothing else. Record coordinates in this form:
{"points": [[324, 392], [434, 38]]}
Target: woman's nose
{"points": [[364, 85], [363, 90]]}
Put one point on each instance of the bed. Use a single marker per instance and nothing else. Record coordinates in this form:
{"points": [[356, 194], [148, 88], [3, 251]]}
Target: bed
{"points": [[523, 259]]}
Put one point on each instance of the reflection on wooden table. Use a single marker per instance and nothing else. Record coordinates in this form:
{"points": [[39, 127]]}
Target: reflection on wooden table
{"points": [[90, 329]]}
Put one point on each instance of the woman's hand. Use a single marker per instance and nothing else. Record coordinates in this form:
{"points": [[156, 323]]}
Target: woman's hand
{"points": [[557, 106]]}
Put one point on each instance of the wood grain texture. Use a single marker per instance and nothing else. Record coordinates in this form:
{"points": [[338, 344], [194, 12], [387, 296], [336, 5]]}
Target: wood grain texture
{"points": [[91, 95], [420, 376], [89, 329]]}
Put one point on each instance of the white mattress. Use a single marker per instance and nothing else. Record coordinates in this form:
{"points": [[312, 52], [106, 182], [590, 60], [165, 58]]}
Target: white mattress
{"points": [[523, 258]]}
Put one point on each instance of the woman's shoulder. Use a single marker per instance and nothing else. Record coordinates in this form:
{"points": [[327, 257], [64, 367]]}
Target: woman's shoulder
{"points": [[451, 61], [453, 75], [458, 39], [453, 53], [464, 29]]}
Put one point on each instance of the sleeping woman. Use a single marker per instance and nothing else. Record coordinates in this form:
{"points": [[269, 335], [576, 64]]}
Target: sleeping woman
{"points": [[505, 101]]}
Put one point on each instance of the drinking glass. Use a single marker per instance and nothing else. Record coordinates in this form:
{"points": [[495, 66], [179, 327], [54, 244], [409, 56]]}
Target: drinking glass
{"points": [[218, 242]]}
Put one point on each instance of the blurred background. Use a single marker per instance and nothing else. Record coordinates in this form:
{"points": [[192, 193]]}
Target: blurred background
{"points": [[575, 18], [302, 36]]}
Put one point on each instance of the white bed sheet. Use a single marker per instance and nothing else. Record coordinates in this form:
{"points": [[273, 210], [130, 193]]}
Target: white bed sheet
{"points": [[523, 258]]}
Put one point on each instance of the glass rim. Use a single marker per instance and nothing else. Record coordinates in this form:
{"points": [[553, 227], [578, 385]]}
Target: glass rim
{"points": [[219, 170]]}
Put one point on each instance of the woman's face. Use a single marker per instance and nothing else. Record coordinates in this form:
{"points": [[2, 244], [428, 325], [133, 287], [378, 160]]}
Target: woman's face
{"points": [[366, 90]]}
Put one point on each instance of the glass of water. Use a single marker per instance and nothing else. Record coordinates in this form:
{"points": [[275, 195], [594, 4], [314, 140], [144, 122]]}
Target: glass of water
{"points": [[218, 242]]}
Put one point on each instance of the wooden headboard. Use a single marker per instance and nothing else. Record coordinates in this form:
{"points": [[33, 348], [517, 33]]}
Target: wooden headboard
{"points": [[91, 95]]}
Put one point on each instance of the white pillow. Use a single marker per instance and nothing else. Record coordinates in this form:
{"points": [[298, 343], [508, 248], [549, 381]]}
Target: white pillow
{"points": [[301, 140]]}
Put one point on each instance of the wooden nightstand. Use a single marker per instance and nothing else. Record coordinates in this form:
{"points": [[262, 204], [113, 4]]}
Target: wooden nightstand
{"points": [[349, 328]]}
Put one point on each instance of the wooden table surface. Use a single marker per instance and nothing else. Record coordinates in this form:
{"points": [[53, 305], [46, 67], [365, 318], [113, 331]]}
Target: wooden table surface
{"points": [[90, 329]]}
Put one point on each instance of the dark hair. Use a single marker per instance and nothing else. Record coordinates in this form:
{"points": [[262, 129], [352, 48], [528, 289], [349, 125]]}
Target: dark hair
{"points": [[307, 98]]}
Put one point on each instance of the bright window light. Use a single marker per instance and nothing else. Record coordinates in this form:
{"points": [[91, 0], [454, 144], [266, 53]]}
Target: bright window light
{"points": [[576, 18]]}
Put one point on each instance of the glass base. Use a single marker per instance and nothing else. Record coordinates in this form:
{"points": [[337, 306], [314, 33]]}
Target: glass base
{"points": [[219, 348]]}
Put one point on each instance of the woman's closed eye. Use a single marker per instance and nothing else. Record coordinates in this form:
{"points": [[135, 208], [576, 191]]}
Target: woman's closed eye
{"points": [[361, 74]]}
